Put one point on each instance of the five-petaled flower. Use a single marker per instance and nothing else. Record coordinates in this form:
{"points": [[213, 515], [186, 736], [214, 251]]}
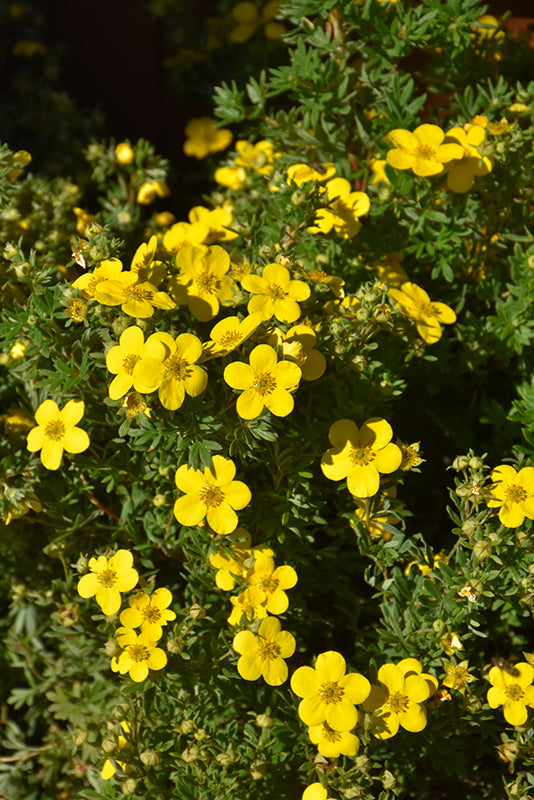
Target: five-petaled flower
{"points": [[122, 359], [331, 743], [173, 372], [204, 137], [150, 612], [202, 282], [361, 454], [275, 294], [56, 431], [211, 494], [422, 151], [264, 382], [513, 494], [139, 654], [344, 210], [107, 579], [512, 689], [461, 173], [273, 581], [412, 301], [398, 698], [329, 695], [263, 653], [108, 769]]}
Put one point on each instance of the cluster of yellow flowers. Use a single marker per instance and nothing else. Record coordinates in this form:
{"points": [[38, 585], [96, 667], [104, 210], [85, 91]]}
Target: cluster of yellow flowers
{"points": [[106, 581]]}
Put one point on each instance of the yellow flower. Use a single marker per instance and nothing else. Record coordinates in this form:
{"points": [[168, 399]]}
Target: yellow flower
{"points": [[249, 604], [273, 581], [21, 504], [373, 517], [329, 695], [451, 643], [173, 371], [106, 270], [257, 157], [263, 653], [410, 454], [315, 791], [513, 691], [297, 345], [107, 579], [229, 333], [150, 612], [202, 282], [139, 654], [457, 676], [422, 151], [108, 770], [414, 302], [461, 173], [306, 173], [345, 209], [513, 494], [217, 221], [144, 265], [379, 173], [122, 359], [229, 561], [182, 233], [211, 494], [18, 350], [232, 177], [204, 137], [331, 743], [150, 190], [399, 696], [136, 298], [124, 153], [360, 455], [56, 431], [275, 294], [265, 382]]}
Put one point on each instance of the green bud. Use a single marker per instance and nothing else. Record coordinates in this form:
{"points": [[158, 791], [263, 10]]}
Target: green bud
{"points": [[460, 462], [469, 527], [200, 735], [363, 764], [358, 363], [522, 537], [21, 270], [187, 726], [150, 758], [79, 737], [175, 646], [438, 625], [476, 463], [226, 758], [264, 721], [482, 550], [197, 612], [108, 745], [128, 785], [191, 753], [362, 314], [388, 779], [82, 564], [258, 770], [111, 648], [159, 500]]}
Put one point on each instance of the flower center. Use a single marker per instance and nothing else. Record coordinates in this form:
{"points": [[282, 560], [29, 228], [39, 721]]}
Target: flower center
{"points": [[229, 339], [515, 493], [398, 703], [276, 292], [329, 734], [361, 456], [55, 430], [269, 650], [425, 309], [269, 584], [425, 151], [107, 578], [211, 495], [129, 362], [514, 692], [331, 692], [264, 383], [138, 652], [177, 368], [152, 613], [136, 292], [207, 282]]}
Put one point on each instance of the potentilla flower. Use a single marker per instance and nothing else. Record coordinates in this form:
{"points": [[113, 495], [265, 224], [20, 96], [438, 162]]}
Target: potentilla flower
{"points": [[108, 770], [136, 299], [513, 494], [305, 173], [249, 604], [144, 264], [150, 612], [461, 173], [232, 177], [275, 294], [422, 151], [360, 455], [217, 220], [414, 302], [122, 358], [106, 270], [329, 695], [265, 382], [398, 698], [56, 431], [229, 333], [457, 676], [211, 494], [298, 345], [183, 233], [315, 791], [410, 454], [256, 157], [230, 560], [273, 581], [205, 137], [124, 153], [345, 209], [263, 653], [331, 743], [107, 579], [202, 282], [139, 654], [176, 373], [513, 690], [150, 190]]}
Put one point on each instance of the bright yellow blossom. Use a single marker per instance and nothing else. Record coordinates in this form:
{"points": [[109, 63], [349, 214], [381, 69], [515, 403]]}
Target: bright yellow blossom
{"points": [[275, 294], [422, 151], [457, 676], [144, 264], [256, 157], [108, 770], [204, 137], [122, 358], [297, 345], [315, 791], [331, 743], [344, 210], [139, 654], [229, 560], [150, 190], [124, 153], [136, 298], [211, 494], [263, 653], [217, 220], [513, 494], [273, 581], [107, 579], [360, 455], [249, 604], [56, 431], [183, 233], [329, 695], [150, 612], [461, 173], [202, 282], [412, 301], [174, 373], [264, 382], [232, 177], [513, 690], [106, 270], [229, 333], [306, 173]]}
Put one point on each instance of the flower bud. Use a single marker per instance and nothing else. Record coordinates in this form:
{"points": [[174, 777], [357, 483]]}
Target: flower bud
{"points": [[124, 153], [197, 612], [159, 500], [111, 648], [109, 745], [482, 550], [150, 758], [225, 759], [79, 737], [128, 785], [388, 779], [363, 764], [460, 462], [175, 646], [438, 625], [258, 770], [200, 735], [264, 721], [476, 463], [469, 527], [187, 726], [191, 753]]}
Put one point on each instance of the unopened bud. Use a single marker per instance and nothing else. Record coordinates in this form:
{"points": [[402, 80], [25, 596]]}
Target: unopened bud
{"points": [[111, 648], [482, 550], [79, 737], [197, 612], [469, 527], [476, 463], [128, 785], [225, 759], [191, 753], [108, 745], [175, 646], [363, 764], [258, 770], [388, 779], [150, 758], [264, 721], [187, 726]]}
